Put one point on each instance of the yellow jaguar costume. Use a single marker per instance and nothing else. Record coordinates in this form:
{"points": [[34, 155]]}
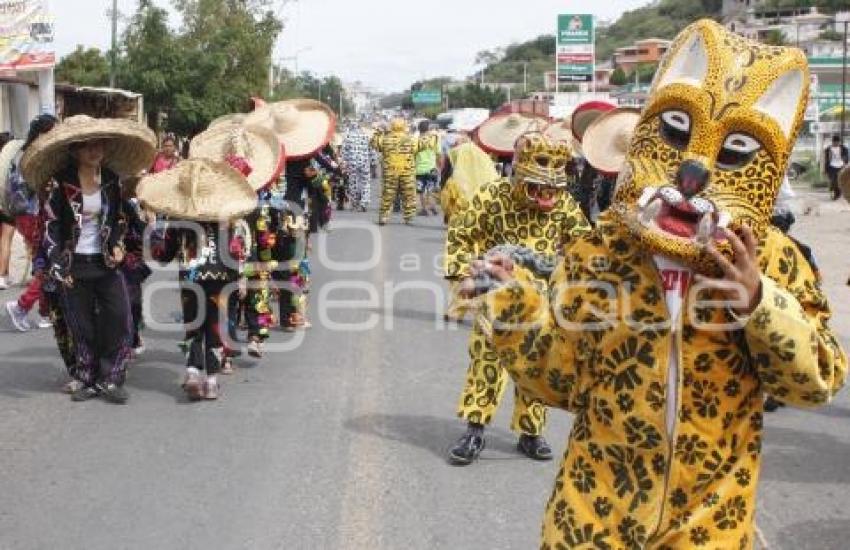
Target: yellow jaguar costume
{"points": [[499, 213], [664, 451], [398, 149]]}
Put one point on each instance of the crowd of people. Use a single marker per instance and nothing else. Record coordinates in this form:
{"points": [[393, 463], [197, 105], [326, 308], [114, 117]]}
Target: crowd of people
{"points": [[671, 213]]}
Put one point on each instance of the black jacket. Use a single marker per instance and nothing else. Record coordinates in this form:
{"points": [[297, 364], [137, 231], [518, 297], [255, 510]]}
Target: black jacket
{"points": [[845, 155], [64, 221]]}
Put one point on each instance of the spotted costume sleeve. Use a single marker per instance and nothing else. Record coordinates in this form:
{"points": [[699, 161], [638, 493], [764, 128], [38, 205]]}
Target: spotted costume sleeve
{"points": [[523, 325], [792, 348], [466, 237]]}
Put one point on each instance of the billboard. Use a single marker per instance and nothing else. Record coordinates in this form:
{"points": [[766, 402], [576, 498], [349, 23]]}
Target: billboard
{"points": [[575, 57], [26, 35]]}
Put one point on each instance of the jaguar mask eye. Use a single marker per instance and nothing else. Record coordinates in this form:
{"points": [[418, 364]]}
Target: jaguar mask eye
{"points": [[676, 128], [737, 151]]}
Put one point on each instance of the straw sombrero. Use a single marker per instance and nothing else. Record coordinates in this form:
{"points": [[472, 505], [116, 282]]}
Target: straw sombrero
{"points": [[237, 118], [559, 130], [130, 147], [585, 114], [606, 140], [258, 146], [199, 190], [303, 126], [497, 134], [843, 182], [7, 157]]}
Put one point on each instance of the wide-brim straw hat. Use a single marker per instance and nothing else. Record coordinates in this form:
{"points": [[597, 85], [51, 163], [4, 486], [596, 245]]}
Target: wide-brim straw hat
{"points": [[560, 130], [129, 147], [259, 146], [7, 157], [303, 126], [844, 182], [498, 134], [606, 141], [232, 118], [198, 190], [584, 115]]}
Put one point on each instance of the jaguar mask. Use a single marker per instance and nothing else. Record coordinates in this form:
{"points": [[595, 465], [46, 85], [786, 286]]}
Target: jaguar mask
{"points": [[540, 170], [712, 143]]}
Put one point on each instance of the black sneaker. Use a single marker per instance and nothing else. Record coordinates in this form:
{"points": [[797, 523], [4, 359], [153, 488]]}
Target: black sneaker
{"points": [[467, 449], [114, 394], [771, 404], [84, 393], [534, 447]]}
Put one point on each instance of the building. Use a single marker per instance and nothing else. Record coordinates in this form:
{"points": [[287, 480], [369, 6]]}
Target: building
{"points": [[364, 98], [646, 51]]}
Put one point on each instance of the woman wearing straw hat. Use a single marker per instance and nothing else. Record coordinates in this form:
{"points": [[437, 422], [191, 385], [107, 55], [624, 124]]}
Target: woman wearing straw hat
{"points": [[83, 239], [304, 127], [263, 152], [208, 197]]}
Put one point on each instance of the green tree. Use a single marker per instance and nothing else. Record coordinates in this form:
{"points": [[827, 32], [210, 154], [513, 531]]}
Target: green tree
{"points": [[226, 47], [150, 63], [84, 67], [775, 37], [475, 95], [618, 77]]}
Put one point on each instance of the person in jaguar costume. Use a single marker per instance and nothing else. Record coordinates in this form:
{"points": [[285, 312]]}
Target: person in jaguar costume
{"points": [[667, 325], [532, 210]]}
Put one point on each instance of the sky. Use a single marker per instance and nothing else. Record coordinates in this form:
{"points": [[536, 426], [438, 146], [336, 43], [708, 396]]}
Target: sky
{"points": [[387, 44]]}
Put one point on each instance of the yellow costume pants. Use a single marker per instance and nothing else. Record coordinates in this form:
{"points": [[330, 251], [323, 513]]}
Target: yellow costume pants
{"points": [[485, 384], [392, 185]]}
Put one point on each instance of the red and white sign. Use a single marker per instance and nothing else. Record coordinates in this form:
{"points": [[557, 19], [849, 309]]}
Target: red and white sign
{"points": [[580, 58]]}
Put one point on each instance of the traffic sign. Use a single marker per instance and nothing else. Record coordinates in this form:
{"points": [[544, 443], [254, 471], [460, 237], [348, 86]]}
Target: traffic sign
{"points": [[426, 97]]}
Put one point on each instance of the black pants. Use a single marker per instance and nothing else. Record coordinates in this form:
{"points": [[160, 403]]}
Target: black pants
{"points": [[97, 311], [832, 173], [206, 349]]}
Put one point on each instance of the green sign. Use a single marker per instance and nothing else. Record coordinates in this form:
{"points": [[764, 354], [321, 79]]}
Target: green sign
{"points": [[575, 29], [576, 68], [427, 97]]}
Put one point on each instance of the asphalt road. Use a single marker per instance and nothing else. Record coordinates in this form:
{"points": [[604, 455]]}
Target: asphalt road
{"points": [[339, 443]]}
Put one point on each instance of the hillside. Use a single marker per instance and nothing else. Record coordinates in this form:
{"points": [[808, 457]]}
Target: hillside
{"points": [[659, 19]]}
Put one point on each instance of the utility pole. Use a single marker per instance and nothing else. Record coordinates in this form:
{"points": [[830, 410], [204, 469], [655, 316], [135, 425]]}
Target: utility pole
{"points": [[525, 76], [844, 84], [113, 56]]}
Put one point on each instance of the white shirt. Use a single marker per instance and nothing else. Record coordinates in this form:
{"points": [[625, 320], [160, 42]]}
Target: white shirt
{"points": [[676, 279], [835, 160], [89, 242]]}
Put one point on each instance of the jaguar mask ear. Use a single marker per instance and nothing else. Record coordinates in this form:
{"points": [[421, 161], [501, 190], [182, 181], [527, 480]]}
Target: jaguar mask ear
{"points": [[782, 99], [688, 64]]}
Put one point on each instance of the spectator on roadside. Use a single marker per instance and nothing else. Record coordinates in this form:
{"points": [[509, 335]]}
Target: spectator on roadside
{"points": [[427, 171], [835, 157], [26, 205], [167, 157], [7, 230]]}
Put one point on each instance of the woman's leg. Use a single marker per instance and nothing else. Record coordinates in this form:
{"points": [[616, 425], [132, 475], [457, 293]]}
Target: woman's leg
{"points": [[7, 233], [215, 324], [79, 308], [115, 327]]}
